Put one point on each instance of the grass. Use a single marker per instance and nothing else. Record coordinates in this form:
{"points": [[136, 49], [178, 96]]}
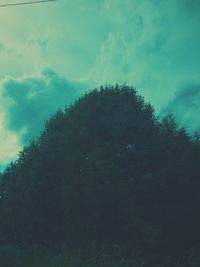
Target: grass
{"points": [[42, 257]]}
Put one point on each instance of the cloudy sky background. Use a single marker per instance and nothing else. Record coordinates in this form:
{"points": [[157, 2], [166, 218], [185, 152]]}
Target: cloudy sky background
{"points": [[52, 53]]}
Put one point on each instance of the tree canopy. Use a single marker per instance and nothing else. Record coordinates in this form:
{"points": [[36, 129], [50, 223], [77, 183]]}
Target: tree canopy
{"points": [[106, 170]]}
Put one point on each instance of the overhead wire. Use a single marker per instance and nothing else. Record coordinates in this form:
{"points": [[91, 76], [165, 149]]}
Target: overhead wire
{"points": [[26, 3]]}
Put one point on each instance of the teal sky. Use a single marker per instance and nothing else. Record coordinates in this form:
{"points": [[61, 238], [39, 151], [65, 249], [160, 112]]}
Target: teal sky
{"points": [[51, 53]]}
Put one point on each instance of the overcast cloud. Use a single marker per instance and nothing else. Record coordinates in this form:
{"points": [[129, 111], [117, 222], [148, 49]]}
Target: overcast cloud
{"points": [[54, 52]]}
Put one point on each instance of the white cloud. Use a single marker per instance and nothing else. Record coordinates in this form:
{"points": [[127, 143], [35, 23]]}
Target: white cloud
{"points": [[64, 35], [9, 142]]}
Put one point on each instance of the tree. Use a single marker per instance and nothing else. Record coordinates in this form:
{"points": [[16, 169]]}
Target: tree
{"points": [[105, 169]]}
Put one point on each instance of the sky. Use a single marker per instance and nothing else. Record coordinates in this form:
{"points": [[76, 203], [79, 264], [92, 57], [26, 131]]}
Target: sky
{"points": [[52, 53]]}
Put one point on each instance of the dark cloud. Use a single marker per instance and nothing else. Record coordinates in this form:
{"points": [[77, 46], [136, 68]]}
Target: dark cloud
{"points": [[186, 107], [30, 101]]}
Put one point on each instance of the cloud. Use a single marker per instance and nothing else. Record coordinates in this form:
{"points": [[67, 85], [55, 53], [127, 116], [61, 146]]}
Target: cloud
{"points": [[153, 45], [185, 107], [26, 57], [64, 35], [27, 102], [150, 44], [9, 143]]}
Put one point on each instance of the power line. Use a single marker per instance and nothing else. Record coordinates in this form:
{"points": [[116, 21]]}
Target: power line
{"points": [[27, 3]]}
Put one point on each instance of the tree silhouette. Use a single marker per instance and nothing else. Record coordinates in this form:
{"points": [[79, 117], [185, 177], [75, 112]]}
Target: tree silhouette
{"points": [[105, 170]]}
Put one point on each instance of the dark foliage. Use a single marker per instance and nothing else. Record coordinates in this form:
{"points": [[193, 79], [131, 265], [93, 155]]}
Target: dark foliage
{"points": [[105, 170]]}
